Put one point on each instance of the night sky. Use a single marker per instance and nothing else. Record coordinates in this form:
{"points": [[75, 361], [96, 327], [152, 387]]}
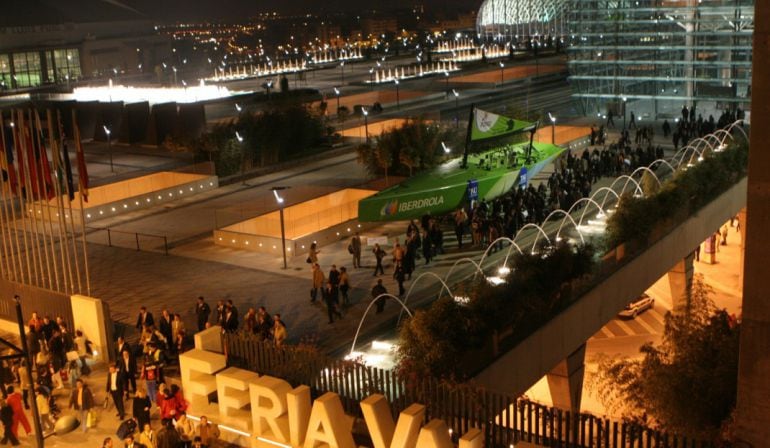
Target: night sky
{"points": [[40, 12]]}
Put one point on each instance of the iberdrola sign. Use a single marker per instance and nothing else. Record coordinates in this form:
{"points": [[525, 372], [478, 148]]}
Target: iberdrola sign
{"points": [[488, 125]]}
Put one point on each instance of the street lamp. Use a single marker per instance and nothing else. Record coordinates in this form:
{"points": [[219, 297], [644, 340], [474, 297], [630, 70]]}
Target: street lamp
{"points": [[624, 112], [337, 92], [280, 202], [174, 69], [447, 149], [398, 103], [446, 78], [239, 137], [366, 122], [553, 128], [502, 73], [342, 72], [109, 145], [457, 107], [371, 77]]}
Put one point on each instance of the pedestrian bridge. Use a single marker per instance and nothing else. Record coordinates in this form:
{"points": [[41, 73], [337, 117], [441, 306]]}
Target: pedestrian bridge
{"points": [[558, 347]]}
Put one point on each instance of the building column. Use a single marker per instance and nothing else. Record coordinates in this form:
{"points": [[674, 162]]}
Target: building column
{"points": [[680, 281], [753, 403], [565, 381], [742, 233]]}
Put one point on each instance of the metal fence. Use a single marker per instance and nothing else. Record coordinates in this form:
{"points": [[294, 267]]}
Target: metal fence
{"points": [[504, 420], [131, 240]]}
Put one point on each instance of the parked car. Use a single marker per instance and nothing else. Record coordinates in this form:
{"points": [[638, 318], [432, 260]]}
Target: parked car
{"points": [[638, 306]]}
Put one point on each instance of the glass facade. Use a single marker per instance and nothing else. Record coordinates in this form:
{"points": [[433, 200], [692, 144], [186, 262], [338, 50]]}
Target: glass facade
{"points": [[33, 68], [659, 55], [509, 20]]}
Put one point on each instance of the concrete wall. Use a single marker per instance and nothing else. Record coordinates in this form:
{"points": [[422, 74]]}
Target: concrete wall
{"points": [[524, 365], [89, 317]]}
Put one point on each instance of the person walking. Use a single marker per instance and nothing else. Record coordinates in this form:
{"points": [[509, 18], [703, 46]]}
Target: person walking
{"points": [[168, 436], [24, 384], [344, 286], [44, 409], [318, 282], [379, 254], [400, 277], [355, 250], [334, 276], [6, 416], [127, 365], [140, 408], [152, 371], [312, 253], [144, 318], [460, 219], [331, 298], [185, 427], [208, 432], [202, 313], [377, 291], [14, 400], [116, 388], [427, 249], [147, 437], [82, 401], [610, 121], [81, 345], [279, 331]]}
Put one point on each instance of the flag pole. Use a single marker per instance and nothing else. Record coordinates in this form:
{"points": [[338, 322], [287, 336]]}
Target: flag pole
{"points": [[81, 183], [8, 255], [12, 207], [30, 198], [38, 148], [73, 238], [50, 219], [18, 136]]}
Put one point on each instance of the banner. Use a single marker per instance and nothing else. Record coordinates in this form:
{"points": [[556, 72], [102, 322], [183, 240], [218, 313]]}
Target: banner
{"points": [[488, 125]]}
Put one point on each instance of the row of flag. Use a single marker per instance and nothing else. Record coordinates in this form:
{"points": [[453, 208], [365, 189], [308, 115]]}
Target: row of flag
{"points": [[38, 226], [24, 145]]}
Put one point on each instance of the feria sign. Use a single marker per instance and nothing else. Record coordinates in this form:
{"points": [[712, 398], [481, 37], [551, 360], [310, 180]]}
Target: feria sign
{"points": [[284, 416]]}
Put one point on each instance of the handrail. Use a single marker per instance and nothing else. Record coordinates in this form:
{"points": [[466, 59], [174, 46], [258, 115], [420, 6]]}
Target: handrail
{"points": [[136, 235]]}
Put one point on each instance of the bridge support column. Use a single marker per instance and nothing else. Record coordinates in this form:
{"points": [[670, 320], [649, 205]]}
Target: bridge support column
{"points": [[753, 405], [565, 381], [680, 281]]}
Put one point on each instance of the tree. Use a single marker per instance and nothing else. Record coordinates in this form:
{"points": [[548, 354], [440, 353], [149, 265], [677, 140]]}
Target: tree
{"points": [[688, 383], [413, 147]]}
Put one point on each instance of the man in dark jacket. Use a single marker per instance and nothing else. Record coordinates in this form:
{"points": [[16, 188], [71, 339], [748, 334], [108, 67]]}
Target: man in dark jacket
{"points": [[165, 327], [202, 312], [82, 401], [331, 298], [377, 291], [116, 380], [144, 318], [168, 437]]}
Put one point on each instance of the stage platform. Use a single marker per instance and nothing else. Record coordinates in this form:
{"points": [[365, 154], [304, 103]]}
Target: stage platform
{"points": [[321, 220]]}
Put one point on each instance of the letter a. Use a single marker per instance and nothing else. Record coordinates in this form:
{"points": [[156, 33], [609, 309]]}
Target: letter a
{"points": [[329, 424]]}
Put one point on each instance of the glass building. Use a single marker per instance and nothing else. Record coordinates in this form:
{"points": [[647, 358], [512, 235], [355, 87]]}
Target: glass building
{"points": [[512, 20], [655, 56]]}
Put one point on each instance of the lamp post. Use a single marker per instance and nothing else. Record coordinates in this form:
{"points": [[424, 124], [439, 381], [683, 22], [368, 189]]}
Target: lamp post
{"points": [[109, 146], [342, 72], [366, 123], [239, 137], [502, 73], [337, 93], [174, 69], [457, 107], [446, 78], [371, 77], [398, 102], [624, 112], [553, 128], [447, 149], [280, 201]]}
